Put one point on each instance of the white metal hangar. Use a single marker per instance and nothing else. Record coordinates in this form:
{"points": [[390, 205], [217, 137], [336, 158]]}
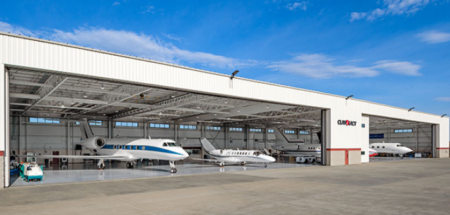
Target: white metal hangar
{"points": [[56, 83]]}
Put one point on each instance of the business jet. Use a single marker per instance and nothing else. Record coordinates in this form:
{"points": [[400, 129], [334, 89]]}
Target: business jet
{"points": [[125, 150], [390, 148], [224, 156], [372, 153], [297, 147]]}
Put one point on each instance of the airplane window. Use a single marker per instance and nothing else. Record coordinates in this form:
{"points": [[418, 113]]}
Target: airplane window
{"points": [[383, 147], [165, 144], [378, 147], [373, 147], [171, 144], [114, 147], [120, 147]]}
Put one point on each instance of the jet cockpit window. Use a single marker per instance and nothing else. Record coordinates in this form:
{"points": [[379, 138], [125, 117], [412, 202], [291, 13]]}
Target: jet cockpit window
{"points": [[165, 144], [400, 145], [171, 144], [256, 153]]}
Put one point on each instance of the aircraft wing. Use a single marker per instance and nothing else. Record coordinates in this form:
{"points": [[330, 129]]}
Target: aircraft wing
{"points": [[209, 160], [229, 162], [111, 157]]}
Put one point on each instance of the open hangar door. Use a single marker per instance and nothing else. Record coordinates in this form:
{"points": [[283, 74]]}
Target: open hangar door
{"points": [[46, 106], [400, 136]]}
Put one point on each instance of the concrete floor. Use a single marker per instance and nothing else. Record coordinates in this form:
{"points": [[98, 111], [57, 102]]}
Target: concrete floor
{"points": [[88, 171], [397, 187]]}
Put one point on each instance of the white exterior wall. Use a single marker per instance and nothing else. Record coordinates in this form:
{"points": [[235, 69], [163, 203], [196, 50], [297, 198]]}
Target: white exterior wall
{"points": [[365, 139], [39, 54]]}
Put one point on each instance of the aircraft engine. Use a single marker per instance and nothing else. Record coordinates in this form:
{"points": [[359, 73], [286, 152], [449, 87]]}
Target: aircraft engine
{"points": [[94, 143]]}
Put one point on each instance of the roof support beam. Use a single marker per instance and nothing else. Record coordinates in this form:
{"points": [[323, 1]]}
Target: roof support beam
{"points": [[59, 80], [27, 83]]}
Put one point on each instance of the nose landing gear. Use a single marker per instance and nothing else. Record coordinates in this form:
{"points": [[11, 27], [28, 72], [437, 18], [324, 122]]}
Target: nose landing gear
{"points": [[173, 169]]}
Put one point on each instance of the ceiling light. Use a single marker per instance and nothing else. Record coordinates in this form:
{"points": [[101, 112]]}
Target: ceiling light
{"points": [[72, 102], [226, 102], [238, 110], [85, 96], [62, 106], [103, 87], [198, 106], [267, 106], [215, 114]]}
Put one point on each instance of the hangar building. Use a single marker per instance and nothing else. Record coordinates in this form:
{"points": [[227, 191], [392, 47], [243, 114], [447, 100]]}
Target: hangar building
{"points": [[45, 85]]}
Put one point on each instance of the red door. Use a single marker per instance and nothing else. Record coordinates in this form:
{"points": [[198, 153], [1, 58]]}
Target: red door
{"points": [[55, 160], [346, 157]]}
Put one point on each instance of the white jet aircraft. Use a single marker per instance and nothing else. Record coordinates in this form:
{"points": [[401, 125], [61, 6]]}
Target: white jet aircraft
{"points": [[223, 156], [125, 150], [297, 147], [390, 148]]}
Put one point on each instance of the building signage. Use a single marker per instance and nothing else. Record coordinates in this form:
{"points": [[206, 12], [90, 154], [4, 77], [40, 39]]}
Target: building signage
{"points": [[346, 122]]}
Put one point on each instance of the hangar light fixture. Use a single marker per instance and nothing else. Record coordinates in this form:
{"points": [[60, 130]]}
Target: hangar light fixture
{"points": [[103, 87], [443, 115], [348, 97], [234, 74], [411, 109]]}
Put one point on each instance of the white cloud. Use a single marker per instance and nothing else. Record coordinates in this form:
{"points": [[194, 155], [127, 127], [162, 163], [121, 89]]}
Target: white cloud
{"points": [[297, 5], [443, 99], [141, 45], [116, 3], [434, 37], [392, 7], [172, 37], [149, 9], [6, 27], [357, 15], [321, 66], [399, 67]]}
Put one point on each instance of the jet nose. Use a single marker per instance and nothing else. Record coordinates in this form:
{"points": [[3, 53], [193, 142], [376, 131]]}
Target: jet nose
{"points": [[184, 154], [270, 159]]}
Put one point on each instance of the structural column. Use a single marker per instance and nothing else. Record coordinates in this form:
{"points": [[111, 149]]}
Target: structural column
{"points": [[4, 127], [326, 155]]}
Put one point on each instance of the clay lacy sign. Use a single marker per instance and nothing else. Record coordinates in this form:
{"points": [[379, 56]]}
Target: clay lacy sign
{"points": [[346, 122]]}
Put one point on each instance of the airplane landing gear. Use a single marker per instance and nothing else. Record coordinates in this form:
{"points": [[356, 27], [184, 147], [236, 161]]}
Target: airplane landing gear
{"points": [[221, 164], [130, 165], [265, 165], [172, 167], [101, 164], [243, 163]]}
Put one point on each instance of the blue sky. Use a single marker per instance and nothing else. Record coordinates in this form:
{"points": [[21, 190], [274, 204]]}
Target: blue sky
{"points": [[393, 52]]}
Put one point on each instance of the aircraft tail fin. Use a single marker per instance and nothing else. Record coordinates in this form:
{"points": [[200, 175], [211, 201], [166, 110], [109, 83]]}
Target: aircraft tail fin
{"points": [[85, 129], [281, 139], [207, 145]]}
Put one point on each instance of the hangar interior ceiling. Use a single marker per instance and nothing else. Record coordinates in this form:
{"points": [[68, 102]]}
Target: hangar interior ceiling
{"points": [[44, 94], [382, 122]]}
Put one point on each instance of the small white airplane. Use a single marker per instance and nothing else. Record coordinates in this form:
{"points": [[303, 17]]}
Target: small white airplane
{"points": [[297, 147], [223, 156], [372, 153], [390, 148], [124, 150]]}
